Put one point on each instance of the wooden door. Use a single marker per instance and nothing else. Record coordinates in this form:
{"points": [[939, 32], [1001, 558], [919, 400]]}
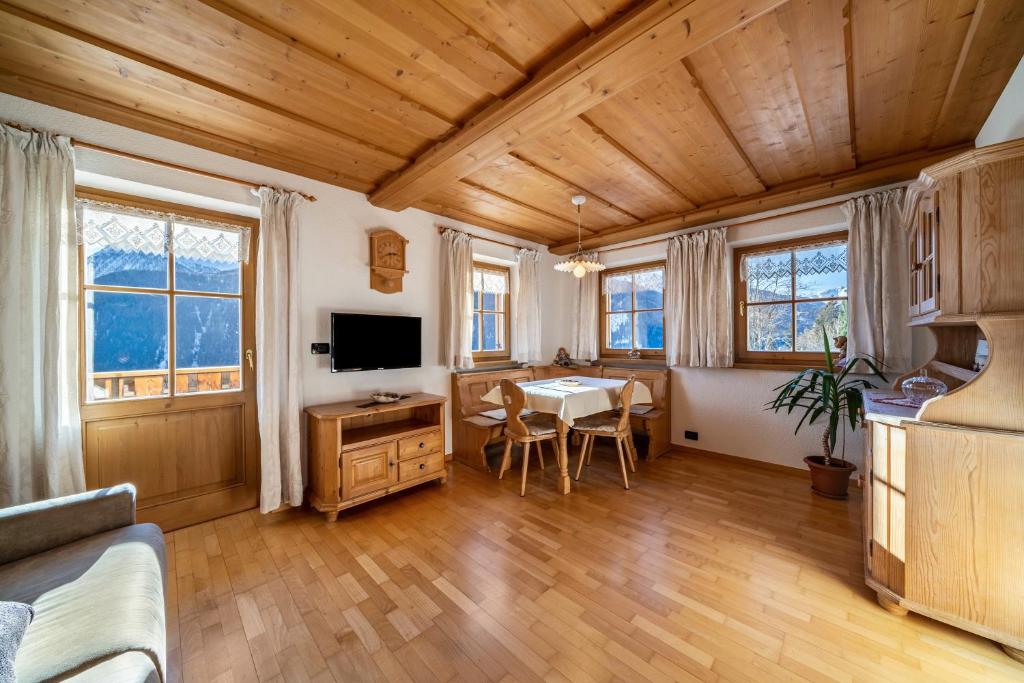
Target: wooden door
{"points": [[167, 362], [369, 469]]}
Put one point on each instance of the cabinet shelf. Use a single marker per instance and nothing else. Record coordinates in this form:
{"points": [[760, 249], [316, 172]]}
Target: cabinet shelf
{"points": [[356, 437]]}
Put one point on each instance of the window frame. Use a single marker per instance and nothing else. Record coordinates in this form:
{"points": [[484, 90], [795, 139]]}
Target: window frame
{"points": [[779, 360], [603, 312], [245, 297], [504, 354]]}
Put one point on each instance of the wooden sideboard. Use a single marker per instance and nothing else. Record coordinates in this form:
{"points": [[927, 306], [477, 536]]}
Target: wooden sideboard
{"points": [[359, 451], [944, 498]]}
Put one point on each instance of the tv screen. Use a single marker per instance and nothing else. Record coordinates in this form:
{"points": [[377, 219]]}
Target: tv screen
{"points": [[374, 342]]}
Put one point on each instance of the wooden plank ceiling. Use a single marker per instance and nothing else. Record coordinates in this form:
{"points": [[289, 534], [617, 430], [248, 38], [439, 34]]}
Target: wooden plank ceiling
{"points": [[665, 114]]}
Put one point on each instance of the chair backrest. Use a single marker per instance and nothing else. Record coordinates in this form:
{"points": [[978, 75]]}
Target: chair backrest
{"points": [[657, 382], [514, 398], [625, 401]]}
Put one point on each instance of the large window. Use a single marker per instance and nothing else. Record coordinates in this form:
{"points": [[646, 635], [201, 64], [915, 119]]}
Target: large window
{"points": [[490, 312], [633, 310], [786, 294], [162, 304]]}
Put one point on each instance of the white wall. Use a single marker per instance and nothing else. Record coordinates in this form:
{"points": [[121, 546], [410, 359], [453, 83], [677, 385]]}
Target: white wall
{"points": [[334, 248], [1006, 121]]}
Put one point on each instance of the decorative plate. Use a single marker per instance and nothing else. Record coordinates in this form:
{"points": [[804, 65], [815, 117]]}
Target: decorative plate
{"points": [[569, 382]]}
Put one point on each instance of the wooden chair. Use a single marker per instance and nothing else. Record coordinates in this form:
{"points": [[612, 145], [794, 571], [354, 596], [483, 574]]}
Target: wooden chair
{"points": [[610, 424], [536, 428]]}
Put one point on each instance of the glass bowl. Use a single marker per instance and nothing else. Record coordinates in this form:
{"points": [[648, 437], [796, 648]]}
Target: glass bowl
{"points": [[920, 389]]}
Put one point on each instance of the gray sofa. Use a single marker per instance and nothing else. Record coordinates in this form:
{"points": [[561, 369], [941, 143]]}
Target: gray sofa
{"points": [[96, 581]]}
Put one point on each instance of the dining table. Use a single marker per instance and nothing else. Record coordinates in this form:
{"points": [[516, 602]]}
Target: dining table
{"points": [[568, 399]]}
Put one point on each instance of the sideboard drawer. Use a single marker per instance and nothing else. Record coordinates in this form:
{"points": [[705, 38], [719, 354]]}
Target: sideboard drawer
{"points": [[414, 446], [414, 468]]}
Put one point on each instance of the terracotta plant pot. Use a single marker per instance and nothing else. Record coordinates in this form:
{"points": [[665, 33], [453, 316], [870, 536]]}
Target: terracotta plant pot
{"points": [[829, 481]]}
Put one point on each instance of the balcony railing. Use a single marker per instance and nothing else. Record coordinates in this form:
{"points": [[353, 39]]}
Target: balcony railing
{"points": [[106, 386]]}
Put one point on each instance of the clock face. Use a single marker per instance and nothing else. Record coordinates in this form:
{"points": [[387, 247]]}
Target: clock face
{"points": [[389, 252]]}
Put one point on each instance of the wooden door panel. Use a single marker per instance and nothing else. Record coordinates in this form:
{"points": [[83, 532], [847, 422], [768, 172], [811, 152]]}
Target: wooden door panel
{"points": [[170, 456], [965, 531], [365, 470], [887, 539]]}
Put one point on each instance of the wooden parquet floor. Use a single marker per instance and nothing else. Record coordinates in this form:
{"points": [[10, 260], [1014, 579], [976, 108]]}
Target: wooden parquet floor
{"points": [[706, 570]]}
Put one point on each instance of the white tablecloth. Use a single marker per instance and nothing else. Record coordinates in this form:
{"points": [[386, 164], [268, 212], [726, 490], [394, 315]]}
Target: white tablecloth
{"points": [[593, 395]]}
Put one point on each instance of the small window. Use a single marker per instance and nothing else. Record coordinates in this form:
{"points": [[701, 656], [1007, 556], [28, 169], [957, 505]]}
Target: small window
{"points": [[162, 305], [633, 310], [787, 292], [490, 312]]}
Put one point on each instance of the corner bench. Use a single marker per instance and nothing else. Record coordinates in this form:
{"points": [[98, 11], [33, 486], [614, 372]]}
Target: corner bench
{"points": [[473, 432]]}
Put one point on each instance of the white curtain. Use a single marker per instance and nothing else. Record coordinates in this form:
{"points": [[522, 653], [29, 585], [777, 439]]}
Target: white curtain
{"points": [[40, 431], [584, 314], [879, 290], [698, 300], [456, 299], [278, 374], [526, 311]]}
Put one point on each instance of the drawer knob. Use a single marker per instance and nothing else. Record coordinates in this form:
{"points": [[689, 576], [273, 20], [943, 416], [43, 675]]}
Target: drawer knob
{"points": [[391, 463], [422, 444], [423, 465]]}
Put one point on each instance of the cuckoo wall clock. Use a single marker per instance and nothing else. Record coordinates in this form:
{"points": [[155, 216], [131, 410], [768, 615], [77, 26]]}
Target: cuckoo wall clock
{"points": [[387, 261]]}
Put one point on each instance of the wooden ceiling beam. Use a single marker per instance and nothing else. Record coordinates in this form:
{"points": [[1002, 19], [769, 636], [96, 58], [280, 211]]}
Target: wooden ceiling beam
{"points": [[720, 121], [811, 189], [385, 94], [641, 43], [21, 85], [481, 221], [991, 50], [529, 208], [621, 149], [573, 187], [360, 148]]}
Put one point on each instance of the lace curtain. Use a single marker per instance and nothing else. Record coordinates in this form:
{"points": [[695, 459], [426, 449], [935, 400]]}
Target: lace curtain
{"points": [[645, 280], [490, 282], [155, 232]]}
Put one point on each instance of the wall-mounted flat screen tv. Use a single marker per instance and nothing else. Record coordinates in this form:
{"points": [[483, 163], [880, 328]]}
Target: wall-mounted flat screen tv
{"points": [[374, 342]]}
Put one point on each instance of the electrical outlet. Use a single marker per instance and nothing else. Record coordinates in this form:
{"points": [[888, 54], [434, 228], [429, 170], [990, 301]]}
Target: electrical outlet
{"points": [[692, 436]]}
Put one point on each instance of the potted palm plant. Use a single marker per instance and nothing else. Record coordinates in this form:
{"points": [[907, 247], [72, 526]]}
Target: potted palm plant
{"points": [[828, 393]]}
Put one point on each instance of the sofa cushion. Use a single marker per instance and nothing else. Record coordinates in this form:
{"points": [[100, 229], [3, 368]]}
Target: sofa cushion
{"points": [[94, 599], [131, 667], [14, 620]]}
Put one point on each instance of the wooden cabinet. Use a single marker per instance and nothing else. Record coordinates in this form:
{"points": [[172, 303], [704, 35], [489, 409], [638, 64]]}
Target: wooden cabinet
{"points": [[944, 501], [965, 220], [943, 524], [359, 451]]}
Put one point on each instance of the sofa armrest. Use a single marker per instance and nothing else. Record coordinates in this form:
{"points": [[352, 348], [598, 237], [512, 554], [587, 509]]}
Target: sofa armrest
{"points": [[37, 527]]}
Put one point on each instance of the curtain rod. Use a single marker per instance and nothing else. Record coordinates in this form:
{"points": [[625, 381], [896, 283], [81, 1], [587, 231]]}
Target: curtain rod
{"points": [[176, 167], [149, 160], [441, 229], [730, 227]]}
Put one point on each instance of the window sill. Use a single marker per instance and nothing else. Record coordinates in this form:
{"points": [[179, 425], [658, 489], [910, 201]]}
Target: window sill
{"points": [[784, 367], [492, 362]]}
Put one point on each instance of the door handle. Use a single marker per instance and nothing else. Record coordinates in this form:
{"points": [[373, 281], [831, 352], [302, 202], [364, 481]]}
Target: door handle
{"points": [[248, 357]]}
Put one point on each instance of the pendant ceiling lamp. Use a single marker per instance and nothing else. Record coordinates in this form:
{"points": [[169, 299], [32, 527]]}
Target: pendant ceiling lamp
{"points": [[577, 264]]}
